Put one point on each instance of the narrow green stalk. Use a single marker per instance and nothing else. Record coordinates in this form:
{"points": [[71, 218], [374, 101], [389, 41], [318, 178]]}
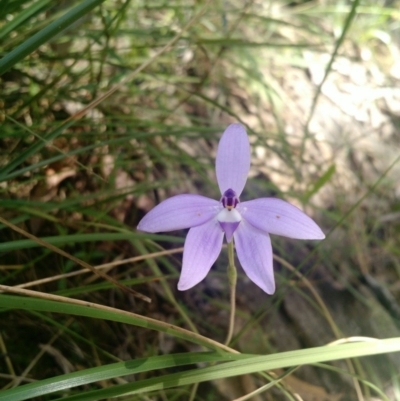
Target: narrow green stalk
{"points": [[193, 391], [232, 276]]}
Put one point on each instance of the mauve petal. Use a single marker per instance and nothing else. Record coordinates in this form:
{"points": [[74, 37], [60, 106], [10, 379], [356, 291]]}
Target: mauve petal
{"points": [[254, 251], [202, 246], [276, 216], [229, 229], [178, 212], [233, 159]]}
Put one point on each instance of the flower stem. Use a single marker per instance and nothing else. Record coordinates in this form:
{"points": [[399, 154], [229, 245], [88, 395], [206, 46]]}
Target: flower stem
{"points": [[232, 276]]}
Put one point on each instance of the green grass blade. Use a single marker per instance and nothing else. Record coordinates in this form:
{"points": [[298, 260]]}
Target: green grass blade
{"points": [[324, 179], [60, 240], [46, 34], [22, 17], [115, 315], [111, 371], [247, 366], [347, 24]]}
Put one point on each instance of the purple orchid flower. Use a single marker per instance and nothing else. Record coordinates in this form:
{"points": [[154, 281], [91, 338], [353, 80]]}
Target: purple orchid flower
{"points": [[248, 223]]}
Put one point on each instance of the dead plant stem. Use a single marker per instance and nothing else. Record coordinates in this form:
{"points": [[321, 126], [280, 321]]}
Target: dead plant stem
{"points": [[74, 259]]}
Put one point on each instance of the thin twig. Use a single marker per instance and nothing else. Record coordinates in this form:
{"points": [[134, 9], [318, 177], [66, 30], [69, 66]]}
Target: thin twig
{"points": [[74, 259], [100, 267], [3, 349]]}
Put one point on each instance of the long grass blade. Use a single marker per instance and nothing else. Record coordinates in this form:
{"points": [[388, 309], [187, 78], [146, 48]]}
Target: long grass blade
{"points": [[46, 34]]}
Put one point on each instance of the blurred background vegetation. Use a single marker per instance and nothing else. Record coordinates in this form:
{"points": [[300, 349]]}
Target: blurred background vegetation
{"points": [[124, 107]]}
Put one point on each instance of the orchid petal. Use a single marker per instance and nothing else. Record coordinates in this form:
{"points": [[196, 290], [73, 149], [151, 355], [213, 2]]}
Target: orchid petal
{"points": [[229, 229], [276, 216], [254, 252], [202, 246], [178, 212], [233, 159]]}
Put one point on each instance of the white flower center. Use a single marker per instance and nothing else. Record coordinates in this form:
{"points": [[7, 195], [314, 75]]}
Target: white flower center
{"points": [[229, 216]]}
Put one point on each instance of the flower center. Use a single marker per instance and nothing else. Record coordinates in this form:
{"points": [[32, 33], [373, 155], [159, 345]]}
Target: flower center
{"points": [[229, 218], [229, 199]]}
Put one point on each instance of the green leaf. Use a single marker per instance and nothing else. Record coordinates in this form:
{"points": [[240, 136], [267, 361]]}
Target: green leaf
{"points": [[22, 17], [46, 34], [320, 183], [115, 315], [111, 371], [247, 366], [92, 237]]}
